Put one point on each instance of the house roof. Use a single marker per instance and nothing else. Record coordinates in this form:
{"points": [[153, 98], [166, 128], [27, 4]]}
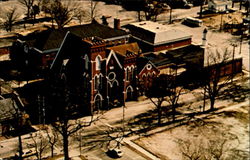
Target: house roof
{"points": [[51, 38], [9, 105], [176, 56], [156, 33], [126, 50]]}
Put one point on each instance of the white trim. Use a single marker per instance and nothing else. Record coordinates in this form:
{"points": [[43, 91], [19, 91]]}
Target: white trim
{"points": [[146, 65], [129, 87], [86, 60], [113, 78], [98, 75], [114, 82], [38, 50], [130, 67], [51, 50], [98, 60], [116, 38], [63, 77], [110, 84], [98, 94], [110, 54], [100, 57], [59, 49]]}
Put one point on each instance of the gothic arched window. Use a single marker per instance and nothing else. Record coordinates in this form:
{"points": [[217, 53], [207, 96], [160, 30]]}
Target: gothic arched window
{"points": [[98, 63]]}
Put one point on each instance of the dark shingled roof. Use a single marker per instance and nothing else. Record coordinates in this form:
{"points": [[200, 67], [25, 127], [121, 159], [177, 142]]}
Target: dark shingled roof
{"points": [[51, 39], [182, 55], [71, 48], [141, 62]]}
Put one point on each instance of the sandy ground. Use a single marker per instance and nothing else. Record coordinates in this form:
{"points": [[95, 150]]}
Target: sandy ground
{"points": [[167, 144]]}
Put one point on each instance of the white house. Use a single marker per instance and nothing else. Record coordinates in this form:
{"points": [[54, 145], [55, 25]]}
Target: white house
{"points": [[218, 5]]}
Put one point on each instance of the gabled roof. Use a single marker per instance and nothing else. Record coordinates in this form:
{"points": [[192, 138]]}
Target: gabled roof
{"points": [[71, 47], [51, 38], [142, 62], [9, 106], [112, 53], [156, 33], [126, 50]]}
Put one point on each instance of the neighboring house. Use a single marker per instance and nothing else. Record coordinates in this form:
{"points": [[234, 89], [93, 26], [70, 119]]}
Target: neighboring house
{"points": [[39, 48], [146, 72], [153, 37], [105, 75], [177, 61], [10, 111], [218, 5]]}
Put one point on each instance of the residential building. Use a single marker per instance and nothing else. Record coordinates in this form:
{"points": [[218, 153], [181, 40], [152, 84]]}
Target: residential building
{"points": [[12, 114], [218, 5]]}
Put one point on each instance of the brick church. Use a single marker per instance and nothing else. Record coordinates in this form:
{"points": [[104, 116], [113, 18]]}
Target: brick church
{"points": [[107, 75]]}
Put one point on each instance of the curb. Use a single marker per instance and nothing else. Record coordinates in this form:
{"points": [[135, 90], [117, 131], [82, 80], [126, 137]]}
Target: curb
{"points": [[138, 149]]}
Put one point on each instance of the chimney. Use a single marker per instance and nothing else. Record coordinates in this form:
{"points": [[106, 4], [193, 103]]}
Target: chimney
{"points": [[117, 24], [204, 38], [104, 20]]}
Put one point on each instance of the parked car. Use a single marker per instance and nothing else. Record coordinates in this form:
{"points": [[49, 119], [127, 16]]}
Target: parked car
{"points": [[27, 153]]}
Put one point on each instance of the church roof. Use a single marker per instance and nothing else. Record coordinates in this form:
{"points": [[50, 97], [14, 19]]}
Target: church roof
{"points": [[126, 50], [52, 39]]}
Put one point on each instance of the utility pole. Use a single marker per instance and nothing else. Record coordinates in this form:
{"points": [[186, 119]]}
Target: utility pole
{"points": [[233, 64], [221, 21]]}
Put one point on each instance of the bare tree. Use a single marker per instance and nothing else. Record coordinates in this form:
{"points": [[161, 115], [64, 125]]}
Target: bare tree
{"points": [[52, 139], [92, 11], [174, 91], [67, 127], [35, 11], [153, 9], [212, 142], [165, 88], [39, 143], [28, 4], [157, 93], [10, 18], [62, 13], [201, 3], [191, 150], [80, 15], [67, 124], [214, 77]]}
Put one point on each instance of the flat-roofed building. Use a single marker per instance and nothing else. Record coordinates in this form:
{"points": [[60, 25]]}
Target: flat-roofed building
{"points": [[153, 36]]}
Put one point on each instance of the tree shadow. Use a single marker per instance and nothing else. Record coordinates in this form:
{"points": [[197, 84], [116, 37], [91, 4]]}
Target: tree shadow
{"points": [[236, 93]]}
